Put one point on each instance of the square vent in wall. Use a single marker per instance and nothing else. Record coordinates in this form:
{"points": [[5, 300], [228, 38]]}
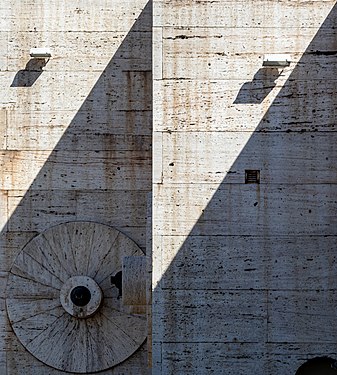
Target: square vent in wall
{"points": [[252, 176]]}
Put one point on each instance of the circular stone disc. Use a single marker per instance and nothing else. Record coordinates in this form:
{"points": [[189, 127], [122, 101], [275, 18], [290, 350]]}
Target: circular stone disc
{"points": [[56, 261]]}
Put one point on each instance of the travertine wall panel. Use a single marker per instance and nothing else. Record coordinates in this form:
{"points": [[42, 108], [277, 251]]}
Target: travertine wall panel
{"points": [[149, 277], [198, 316], [81, 51], [81, 170], [157, 172], [193, 105], [277, 210], [244, 262], [4, 209], [243, 67], [289, 158], [157, 266], [3, 281], [3, 128], [3, 47], [32, 137], [229, 358], [157, 53], [3, 360], [206, 42], [74, 16], [39, 210], [109, 95], [104, 130], [299, 316], [5, 331], [291, 14], [219, 53]]}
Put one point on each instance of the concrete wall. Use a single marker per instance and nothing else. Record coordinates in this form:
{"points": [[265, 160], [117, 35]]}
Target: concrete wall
{"points": [[244, 275], [75, 133]]}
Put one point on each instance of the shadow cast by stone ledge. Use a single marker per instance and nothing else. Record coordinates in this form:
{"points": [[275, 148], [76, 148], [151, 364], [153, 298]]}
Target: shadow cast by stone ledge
{"points": [[255, 91], [28, 76]]}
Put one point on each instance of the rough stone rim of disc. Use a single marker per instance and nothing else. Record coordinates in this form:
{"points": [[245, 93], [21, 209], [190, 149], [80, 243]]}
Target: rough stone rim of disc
{"points": [[89, 308], [45, 329]]}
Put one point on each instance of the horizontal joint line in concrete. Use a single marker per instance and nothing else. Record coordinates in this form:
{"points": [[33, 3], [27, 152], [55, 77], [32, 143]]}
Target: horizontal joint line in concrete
{"points": [[251, 289], [166, 184], [253, 235], [208, 342], [172, 79]]}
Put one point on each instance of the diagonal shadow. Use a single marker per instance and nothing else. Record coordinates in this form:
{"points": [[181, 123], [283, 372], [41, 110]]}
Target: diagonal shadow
{"points": [[252, 92], [99, 170], [245, 291], [28, 76]]}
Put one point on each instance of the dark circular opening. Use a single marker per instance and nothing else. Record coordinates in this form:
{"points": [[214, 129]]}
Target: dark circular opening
{"points": [[80, 296], [318, 366]]}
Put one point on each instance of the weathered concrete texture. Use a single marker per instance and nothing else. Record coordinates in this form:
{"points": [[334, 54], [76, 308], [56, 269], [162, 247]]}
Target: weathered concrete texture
{"points": [[90, 15], [220, 53], [80, 170], [232, 13], [4, 209], [109, 95], [210, 316], [244, 358], [245, 262], [3, 128], [223, 105], [39, 210], [243, 274], [93, 50], [302, 316], [104, 130], [276, 153], [75, 137], [225, 42], [277, 210], [157, 34]]}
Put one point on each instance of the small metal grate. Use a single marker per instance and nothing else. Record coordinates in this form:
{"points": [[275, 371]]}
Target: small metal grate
{"points": [[252, 176]]}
